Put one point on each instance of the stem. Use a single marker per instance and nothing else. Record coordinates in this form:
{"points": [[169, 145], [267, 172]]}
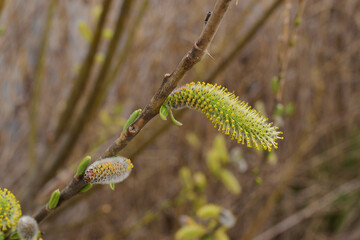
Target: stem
{"points": [[169, 83]]}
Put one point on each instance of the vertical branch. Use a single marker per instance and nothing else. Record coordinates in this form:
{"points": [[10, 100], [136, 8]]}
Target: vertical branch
{"points": [[92, 103], [84, 74], [240, 45], [38, 80], [2, 4]]}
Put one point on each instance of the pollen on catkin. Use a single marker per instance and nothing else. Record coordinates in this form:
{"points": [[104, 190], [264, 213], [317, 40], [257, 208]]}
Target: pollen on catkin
{"points": [[10, 210], [230, 115], [108, 170]]}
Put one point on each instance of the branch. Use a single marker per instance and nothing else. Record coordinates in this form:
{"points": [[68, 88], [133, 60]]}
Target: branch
{"points": [[169, 83]]}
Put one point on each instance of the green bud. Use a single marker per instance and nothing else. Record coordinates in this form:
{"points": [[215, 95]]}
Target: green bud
{"points": [[99, 58], [86, 187], [107, 33], [163, 112], [2, 30], [258, 180], [297, 21], [83, 165], [15, 235], [230, 182], [54, 199], [185, 176], [209, 211], [190, 232], [132, 119], [213, 162], [85, 31], [200, 180]]}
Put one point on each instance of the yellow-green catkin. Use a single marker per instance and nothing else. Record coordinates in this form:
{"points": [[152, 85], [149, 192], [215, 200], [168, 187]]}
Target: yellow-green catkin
{"points": [[10, 210], [108, 170], [230, 115]]}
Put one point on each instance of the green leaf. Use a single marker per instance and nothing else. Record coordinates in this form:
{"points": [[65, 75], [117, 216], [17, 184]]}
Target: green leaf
{"points": [[2, 236], [230, 182], [2, 30], [132, 119], [85, 31], [112, 186], [174, 120], [83, 165], [163, 112], [54, 199], [86, 187], [209, 211], [15, 235], [190, 232], [279, 110]]}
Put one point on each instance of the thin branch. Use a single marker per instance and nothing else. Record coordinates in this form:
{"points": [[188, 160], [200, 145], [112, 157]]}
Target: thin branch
{"points": [[38, 80], [240, 45], [84, 74], [168, 84], [308, 211], [93, 102]]}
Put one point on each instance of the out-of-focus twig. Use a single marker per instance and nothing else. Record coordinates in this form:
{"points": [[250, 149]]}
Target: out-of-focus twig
{"points": [[93, 102], [243, 41], [36, 89], [2, 4], [308, 211], [83, 77], [169, 83]]}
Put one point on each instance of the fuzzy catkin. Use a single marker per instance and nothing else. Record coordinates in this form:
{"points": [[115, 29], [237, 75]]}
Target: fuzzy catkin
{"points": [[230, 115], [108, 170], [27, 228]]}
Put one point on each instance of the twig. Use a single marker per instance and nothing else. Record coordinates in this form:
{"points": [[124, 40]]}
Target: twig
{"points": [[84, 74], [168, 84], [240, 45], [308, 211], [38, 79], [92, 103]]}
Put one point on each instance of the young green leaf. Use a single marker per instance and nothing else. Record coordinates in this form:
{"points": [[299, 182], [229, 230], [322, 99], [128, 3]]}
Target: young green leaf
{"points": [[174, 120], [54, 199], [132, 119], [190, 232], [83, 165], [163, 112], [112, 186], [86, 187]]}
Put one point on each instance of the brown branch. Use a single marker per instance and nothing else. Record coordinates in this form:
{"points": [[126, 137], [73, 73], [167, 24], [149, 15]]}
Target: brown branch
{"points": [[168, 84], [93, 102], [37, 85], [307, 212], [84, 74]]}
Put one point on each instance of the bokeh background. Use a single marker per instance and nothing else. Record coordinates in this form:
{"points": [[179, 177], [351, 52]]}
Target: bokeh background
{"points": [[309, 188]]}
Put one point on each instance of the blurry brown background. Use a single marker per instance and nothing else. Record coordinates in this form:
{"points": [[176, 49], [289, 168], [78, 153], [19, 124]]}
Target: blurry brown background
{"points": [[314, 179]]}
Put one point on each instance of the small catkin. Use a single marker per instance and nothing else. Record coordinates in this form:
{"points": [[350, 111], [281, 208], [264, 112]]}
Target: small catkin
{"points": [[27, 228], [10, 210], [230, 115], [108, 170]]}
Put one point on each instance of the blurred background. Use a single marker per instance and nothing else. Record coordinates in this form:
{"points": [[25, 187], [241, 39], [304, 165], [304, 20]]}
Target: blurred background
{"points": [[296, 61]]}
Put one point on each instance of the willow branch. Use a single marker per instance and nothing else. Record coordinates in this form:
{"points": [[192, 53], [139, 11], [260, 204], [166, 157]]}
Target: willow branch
{"points": [[84, 74], [169, 83], [38, 80]]}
